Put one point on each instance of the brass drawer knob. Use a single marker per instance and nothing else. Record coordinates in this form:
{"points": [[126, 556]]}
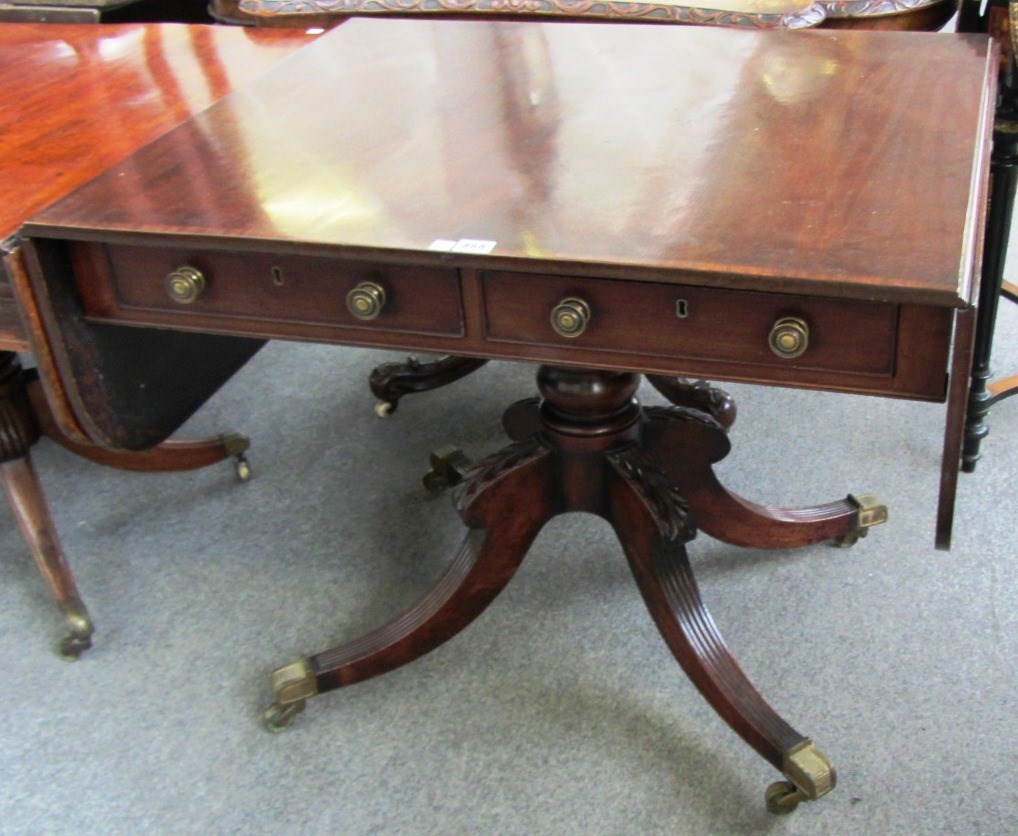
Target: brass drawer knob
{"points": [[185, 284], [789, 337], [570, 317], [366, 300]]}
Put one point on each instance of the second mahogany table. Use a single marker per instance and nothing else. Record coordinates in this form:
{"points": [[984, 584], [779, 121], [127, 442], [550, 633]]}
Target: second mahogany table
{"points": [[75, 100], [778, 208]]}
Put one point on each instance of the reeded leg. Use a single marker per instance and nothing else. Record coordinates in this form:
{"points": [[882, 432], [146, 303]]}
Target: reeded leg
{"points": [[653, 524], [687, 444], [168, 456], [588, 446], [697, 394], [29, 505], [391, 381], [505, 502]]}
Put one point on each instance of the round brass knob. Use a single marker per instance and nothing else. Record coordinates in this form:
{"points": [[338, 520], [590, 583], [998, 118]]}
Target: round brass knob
{"points": [[366, 300], [185, 284], [789, 337], [570, 317]]}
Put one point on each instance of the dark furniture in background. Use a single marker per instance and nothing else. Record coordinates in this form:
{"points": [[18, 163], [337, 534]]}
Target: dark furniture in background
{"points": [[103, 11], [71, 109], [492, 198], [1000, 20]]}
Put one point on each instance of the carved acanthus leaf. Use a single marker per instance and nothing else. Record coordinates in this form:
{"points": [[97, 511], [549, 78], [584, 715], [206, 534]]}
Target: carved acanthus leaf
{"points": [[671, 512], [490, 469]]}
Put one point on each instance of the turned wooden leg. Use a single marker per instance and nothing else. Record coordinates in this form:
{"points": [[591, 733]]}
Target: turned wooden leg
{"points": [[18, 432], [170, 456], [697, 394], [502, 527], [1003, 185], [653, 523], [391, 381], [687, 444], [21, 484]]}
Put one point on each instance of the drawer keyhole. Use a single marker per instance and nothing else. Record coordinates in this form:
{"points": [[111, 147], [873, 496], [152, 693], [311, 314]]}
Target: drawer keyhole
{"points": [[277, 277], [681, 308]]}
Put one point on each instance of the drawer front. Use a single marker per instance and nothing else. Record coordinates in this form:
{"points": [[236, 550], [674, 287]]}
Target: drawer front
{"points": [[693, 322], [285, 289]]}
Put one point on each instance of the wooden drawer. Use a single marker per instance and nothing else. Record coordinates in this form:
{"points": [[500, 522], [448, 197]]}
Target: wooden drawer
{"points": [[126, 281], [675, 321]]}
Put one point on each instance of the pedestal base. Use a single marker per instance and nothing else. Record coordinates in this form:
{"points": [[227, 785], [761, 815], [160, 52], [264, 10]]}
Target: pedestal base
{"points": [[589, 446]]}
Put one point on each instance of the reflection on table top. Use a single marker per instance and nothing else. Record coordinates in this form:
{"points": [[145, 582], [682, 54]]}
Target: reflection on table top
{"points": [[75, 99], [746, 157]]}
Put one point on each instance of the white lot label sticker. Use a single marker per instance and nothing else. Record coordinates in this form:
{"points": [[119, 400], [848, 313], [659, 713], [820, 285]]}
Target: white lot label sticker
{"points": [[441, 245], [471, 246]]}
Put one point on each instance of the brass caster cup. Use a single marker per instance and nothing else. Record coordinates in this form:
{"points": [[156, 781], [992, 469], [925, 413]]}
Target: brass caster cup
{"points": [[242, 468], [448, 467], [811, 777], [280, 717], [383, 409], [783, 797], [71, 647], [80, 629]]}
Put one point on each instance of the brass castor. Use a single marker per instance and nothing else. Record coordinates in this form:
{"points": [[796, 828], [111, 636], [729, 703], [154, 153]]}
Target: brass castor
{"points": [[783, 797], [80, 629], [280, 717], [871, 512], [383, 409], [448, 467], [293, 686], [71, 647], [810, 775], [236, 445]]}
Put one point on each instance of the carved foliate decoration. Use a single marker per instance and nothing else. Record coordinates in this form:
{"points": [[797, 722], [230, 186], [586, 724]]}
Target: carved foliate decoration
{"points": [[807, 16], [492, 468], [873, 8], [681, 413], [671, 512]]}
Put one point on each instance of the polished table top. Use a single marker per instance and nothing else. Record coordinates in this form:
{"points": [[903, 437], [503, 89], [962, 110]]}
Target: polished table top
{"points": [[78, 98], [816, 161]]}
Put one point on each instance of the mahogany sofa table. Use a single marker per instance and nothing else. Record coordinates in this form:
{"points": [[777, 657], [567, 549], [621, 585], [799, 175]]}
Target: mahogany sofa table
{"points": [[604, 201]]}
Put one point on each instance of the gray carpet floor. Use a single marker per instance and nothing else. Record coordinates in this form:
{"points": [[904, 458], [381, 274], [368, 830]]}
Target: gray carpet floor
{"points": [[559, 710]]}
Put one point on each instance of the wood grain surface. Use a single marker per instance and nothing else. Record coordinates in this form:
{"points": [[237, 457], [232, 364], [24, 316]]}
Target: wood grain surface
{"points": [[810, 162], [78, 98]]}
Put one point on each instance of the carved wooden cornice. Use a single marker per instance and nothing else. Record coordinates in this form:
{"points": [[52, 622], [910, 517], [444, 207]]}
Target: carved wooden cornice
{"points": [[760, 15]]}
